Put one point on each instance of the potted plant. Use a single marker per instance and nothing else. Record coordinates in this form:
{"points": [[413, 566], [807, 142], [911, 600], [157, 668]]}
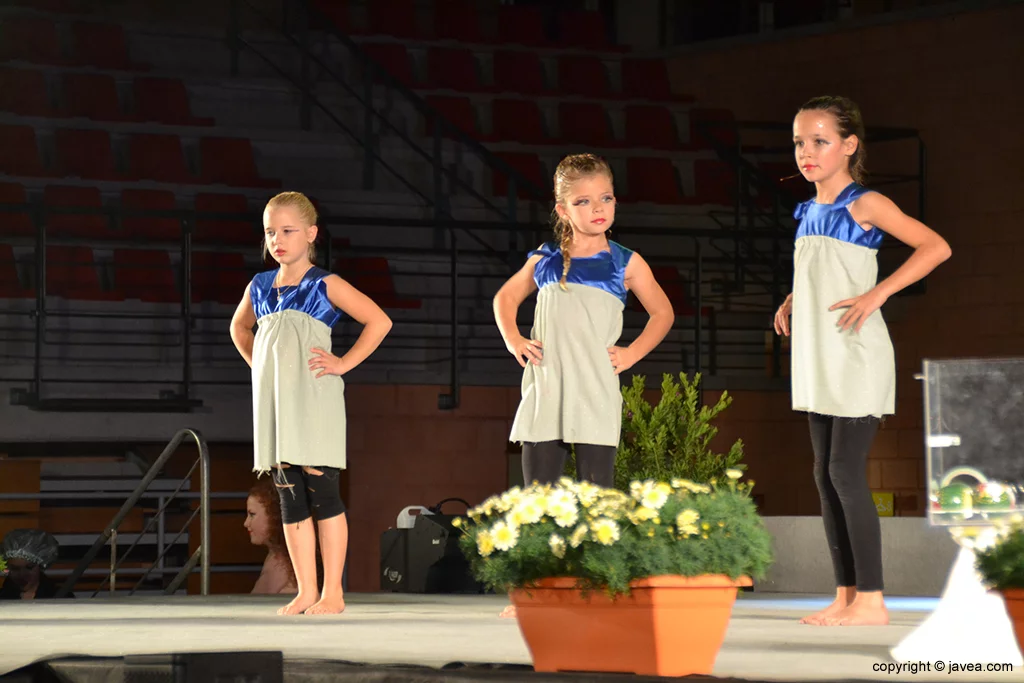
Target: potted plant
{"points": [[1001, 565], [604, 580]]}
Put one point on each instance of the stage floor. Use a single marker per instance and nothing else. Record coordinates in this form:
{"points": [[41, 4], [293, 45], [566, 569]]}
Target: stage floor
{"points": [[764, 641]]}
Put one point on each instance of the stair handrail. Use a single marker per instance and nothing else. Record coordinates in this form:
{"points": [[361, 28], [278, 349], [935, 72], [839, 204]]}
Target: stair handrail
{"points": [[202, 552]]}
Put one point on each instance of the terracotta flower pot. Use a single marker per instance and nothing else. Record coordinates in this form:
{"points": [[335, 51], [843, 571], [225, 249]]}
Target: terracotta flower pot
{"points": [[667, 626], [1014, 599]]}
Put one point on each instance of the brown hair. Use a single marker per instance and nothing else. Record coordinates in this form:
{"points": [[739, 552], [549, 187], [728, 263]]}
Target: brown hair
{"points": [[307, 212], [569, 170], [848, 122], [266, 494]]}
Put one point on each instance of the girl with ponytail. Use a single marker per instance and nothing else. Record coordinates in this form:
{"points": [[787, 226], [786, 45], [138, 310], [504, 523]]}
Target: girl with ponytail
{"points": [[843, 372]]}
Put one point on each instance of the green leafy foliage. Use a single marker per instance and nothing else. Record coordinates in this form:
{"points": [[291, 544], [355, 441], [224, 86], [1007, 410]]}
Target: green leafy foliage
{"points": [[1001, 565], [671, 439]]}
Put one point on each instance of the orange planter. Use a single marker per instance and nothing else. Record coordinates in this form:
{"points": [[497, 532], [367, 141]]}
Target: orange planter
{"points": [[667, 626], [1014, 600]]}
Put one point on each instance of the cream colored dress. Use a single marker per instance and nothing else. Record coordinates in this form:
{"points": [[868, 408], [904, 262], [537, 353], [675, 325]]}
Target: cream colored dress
{"points": [[298, 419], [574, 394], [837, 373]]}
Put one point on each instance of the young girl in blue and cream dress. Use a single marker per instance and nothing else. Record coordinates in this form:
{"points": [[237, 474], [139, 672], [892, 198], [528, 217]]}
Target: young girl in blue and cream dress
{"points": [[843, 365], [299, 394], [571, 395]]}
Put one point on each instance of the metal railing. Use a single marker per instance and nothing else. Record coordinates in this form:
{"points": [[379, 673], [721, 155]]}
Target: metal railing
{"points": [[471, 275], [109, 534]]}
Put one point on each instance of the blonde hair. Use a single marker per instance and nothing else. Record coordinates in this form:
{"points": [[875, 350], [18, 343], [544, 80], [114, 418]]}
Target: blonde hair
{"points": [[569, 170], [307, 212]]}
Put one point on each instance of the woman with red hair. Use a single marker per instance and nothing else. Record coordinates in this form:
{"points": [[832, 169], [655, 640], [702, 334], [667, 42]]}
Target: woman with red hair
{"points": [[263, 522]]}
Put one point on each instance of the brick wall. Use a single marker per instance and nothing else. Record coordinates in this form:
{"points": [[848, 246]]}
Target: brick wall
{"points": [[404, 451]]}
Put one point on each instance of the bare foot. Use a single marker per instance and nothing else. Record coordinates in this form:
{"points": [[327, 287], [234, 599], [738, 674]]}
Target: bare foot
{"points": [[329, 604], [860, 614], [508, 613], [819, 618], [845, 595], [299, 605]]}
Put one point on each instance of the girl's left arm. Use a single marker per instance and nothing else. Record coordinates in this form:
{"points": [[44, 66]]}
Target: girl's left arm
{"points": [[361, 308], [930, 249], [640, 280]]}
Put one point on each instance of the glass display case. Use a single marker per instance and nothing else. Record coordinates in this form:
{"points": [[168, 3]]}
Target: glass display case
{"points": [[974, 440]]}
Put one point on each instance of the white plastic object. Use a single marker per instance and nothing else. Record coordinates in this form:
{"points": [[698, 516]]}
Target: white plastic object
{"points": [[406, 520]]}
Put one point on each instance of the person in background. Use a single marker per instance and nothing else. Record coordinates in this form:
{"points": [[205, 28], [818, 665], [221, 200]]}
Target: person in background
{"points": [[263, 522], [28, 553]]}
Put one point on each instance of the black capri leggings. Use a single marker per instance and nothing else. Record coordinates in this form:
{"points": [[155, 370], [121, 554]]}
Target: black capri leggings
{"points": [[544, 462], [852, 528], [304, 495]]}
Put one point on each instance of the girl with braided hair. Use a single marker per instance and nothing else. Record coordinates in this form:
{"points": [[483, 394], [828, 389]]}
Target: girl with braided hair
{"points": [[570, 387]]}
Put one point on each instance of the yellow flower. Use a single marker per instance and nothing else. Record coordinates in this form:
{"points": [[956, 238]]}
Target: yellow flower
{"points": [[733, 473], [686, 521], [687, 518], [705, 526], [650, 532], [654, 496], [587, 493], [557, 544], [529, 510], [561, 507], [485, 543], [643, 514], [606, 531], [505, 536], [457, 522], [541, 503], [690, 486], [566, 518], [578, 536], [511, 496]]}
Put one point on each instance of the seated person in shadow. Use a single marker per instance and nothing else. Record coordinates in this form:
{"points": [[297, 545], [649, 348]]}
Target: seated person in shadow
{"points": [[28, 553], [263, 522]]}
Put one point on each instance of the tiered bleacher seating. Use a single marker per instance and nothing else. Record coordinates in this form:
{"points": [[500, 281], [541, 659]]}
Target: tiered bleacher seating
{"points": [[76, 83], [538, 87], [531, 85]]}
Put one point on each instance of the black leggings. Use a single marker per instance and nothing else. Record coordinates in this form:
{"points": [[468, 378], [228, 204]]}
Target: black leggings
{"points": [[304, 495], [852, 528], [544, 462]]}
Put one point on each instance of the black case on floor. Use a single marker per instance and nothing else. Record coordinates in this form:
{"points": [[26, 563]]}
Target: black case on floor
{"points": [[425, 559]]}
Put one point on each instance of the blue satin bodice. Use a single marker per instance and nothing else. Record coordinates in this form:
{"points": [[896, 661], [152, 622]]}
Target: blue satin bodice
{"points": [[835, 221], [604, 270], [309, 296]]}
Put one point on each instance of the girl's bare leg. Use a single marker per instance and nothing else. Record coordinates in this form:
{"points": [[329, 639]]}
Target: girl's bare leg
{"points": [[301, 541], [333, 545]]}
